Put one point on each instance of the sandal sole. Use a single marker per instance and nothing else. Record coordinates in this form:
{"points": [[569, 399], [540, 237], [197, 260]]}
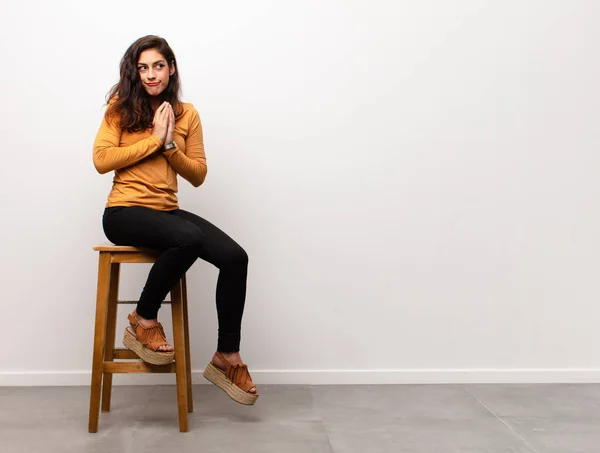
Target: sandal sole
{"points": [[153, 357], [214, 375]]}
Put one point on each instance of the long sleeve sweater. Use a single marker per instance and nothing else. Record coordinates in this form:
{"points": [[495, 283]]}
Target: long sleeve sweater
{"points": [[145, 176]]}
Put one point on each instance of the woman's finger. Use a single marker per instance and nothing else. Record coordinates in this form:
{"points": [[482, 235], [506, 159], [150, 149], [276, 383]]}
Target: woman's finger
{"points": [[159, 110], [164, 113]]}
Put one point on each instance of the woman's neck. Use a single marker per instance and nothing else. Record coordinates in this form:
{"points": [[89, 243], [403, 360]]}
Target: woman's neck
{"points": [[155, 102]]}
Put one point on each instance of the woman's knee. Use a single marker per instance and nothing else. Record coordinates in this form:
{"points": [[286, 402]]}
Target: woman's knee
{"points": [[236, 258]]}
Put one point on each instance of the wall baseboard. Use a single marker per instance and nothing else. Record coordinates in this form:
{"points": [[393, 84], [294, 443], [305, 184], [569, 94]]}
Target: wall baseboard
{"points": [[325, 377]]}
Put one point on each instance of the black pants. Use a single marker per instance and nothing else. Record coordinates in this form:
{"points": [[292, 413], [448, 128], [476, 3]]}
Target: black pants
{"points": [[182, 237]]}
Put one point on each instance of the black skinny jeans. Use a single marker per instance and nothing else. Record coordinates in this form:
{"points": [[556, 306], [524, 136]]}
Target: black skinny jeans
{"points": [[182, 237]]}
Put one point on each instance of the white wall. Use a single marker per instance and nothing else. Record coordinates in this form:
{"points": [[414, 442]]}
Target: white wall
{"points": [[416, 184]]}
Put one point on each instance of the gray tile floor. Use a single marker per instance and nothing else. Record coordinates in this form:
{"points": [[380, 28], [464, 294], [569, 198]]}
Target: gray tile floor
{"points": [[544, 418]]}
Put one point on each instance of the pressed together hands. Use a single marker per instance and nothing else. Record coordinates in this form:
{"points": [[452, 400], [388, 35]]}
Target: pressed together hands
{"points": [[164, 123]]}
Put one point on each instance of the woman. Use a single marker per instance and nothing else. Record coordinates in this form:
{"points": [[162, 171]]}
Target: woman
{"points": [[148, 137]]}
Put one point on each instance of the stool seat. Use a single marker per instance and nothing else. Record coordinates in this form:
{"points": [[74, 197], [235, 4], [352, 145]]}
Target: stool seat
{"points": [[127, 254], [120, 248], [104, 364]]}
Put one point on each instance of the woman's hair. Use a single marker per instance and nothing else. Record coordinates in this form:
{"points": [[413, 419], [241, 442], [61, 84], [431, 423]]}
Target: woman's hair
{"points": [[131, 104]]}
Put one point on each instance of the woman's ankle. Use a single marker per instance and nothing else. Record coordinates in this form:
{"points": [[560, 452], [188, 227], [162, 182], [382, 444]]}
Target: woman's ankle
{"points": [[234, 358], [145, 321]]}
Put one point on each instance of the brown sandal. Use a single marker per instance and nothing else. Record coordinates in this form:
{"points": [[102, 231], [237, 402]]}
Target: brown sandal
{"points": [[235, 380], [145, 341]]}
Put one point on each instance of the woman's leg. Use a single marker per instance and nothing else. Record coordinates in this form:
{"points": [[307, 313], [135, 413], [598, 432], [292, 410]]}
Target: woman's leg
{"points": [[176, 238], [232, 261]]}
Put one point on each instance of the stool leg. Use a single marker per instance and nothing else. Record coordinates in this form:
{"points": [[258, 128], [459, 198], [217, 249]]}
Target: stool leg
{"points": [[111, 327], [188, 360], [180, 371], [99, 338]]}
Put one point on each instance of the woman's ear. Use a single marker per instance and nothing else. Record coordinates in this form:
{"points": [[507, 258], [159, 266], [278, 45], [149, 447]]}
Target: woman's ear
{"points": [[172, 69]]}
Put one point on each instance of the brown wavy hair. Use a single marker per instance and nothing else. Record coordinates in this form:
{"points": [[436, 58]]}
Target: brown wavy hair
{"points": [[128, 101]]}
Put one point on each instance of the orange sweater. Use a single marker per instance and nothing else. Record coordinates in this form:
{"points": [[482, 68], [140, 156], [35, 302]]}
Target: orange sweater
{"points": [[145, 176]]}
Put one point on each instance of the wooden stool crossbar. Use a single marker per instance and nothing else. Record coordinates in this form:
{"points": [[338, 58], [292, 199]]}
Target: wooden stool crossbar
{"points": [[104, 363]]}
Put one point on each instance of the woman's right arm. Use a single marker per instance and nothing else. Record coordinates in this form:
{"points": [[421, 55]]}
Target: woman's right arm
{"points": [[109, 156]]}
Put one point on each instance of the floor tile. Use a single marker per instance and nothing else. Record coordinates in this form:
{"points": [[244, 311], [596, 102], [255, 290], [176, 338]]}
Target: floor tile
{"points": [[539, 400], [560, 435], [385, 435], [398, 401], [234, 436]]}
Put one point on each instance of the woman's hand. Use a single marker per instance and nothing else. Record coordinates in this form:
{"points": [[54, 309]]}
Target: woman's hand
{"points": [[161, 122], [171, 126]]}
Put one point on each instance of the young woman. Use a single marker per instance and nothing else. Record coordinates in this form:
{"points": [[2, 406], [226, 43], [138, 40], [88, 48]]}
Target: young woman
{"points": [[148, 137]]}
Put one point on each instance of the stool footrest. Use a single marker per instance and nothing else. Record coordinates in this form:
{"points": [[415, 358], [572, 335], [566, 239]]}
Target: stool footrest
{"points": [[137, 367], [136, 302], [124, 353]]}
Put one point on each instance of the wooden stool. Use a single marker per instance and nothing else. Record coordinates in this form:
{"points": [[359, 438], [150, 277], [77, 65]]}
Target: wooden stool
{"points": [[104, 365]]}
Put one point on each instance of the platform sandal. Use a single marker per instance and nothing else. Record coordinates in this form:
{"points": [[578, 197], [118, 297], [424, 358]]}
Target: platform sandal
{"points": [[146, 340], [235, 380]]}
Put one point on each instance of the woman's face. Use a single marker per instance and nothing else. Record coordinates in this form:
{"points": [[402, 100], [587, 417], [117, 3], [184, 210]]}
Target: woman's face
{"points": [[154, 71]]}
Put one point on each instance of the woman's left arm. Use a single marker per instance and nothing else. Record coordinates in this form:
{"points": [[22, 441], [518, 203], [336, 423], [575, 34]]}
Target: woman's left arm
{"points": [[191, 165]]}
